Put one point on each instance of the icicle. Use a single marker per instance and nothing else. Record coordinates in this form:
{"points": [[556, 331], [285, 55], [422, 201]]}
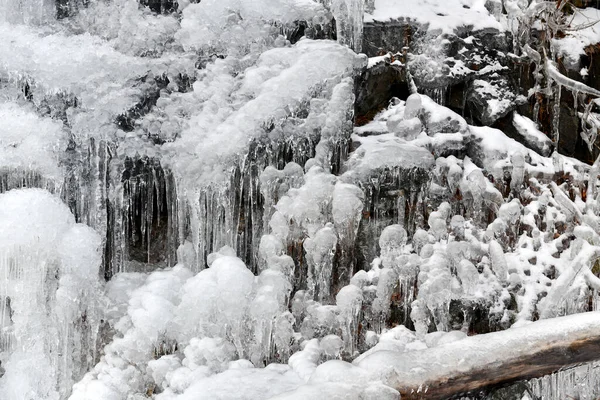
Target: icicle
{"points": [[319, 253], [589, 127], [579, 382], [349, 301], [556, 117], [591, 198], [498, 261], [518, 163], [349, 16]]}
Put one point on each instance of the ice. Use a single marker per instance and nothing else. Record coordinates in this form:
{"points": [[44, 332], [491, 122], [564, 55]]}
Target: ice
{"points": [[27, 11], [469, 276], [387, 282], [407, 129], [349, 300], [214, 303], [575, 382], [477, 185], [499, 265], [30, 144], [319, 252], [518, 164], [270, 246], [88, 60], [266, 309], [215, 353], [331, 346], [568, 83], [52, 290], [347, 205], [392, 240], [234, 25], [382, 151], [143, 336], [129, 28], [280, 66], [308, 205], [349, 15], [413, 106]]}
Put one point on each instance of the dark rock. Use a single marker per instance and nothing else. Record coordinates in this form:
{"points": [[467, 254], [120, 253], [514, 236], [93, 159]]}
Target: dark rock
{"points": [[508, 125], [68, 8], [148, 233], [586, 3], [490, 100], [474, 314], [376, 86], [380, 38], [161, 6]]}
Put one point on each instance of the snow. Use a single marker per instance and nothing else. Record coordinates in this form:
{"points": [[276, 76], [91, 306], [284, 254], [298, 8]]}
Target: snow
{"points": [[442, 16], [243, 384], [583, 31], [532, 135], [497, 106], [29, 143], [89, 60], [387, 151], [452, 359]]}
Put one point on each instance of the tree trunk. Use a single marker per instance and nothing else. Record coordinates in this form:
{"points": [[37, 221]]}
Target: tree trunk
{"points": [[477, 362]]}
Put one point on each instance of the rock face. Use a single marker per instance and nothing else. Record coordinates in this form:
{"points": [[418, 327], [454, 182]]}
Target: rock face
{"points": [[160, 6], [377, 85], [394, 177], [390, 36], [477, 75]]}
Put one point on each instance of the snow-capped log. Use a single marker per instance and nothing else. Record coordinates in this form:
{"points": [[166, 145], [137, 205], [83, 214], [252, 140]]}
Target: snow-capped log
{"points": [[477, 362]]}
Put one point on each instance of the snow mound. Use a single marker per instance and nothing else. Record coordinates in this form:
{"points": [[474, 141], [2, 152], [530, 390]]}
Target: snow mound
{"points": [[445, 16]]}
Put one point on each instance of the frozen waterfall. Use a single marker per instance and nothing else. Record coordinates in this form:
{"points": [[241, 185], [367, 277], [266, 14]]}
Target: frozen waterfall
{"points": [[227, 200]]}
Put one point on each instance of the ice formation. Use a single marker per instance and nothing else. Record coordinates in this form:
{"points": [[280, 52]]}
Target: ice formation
{"points": [[50, 296], [189, 208]]}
